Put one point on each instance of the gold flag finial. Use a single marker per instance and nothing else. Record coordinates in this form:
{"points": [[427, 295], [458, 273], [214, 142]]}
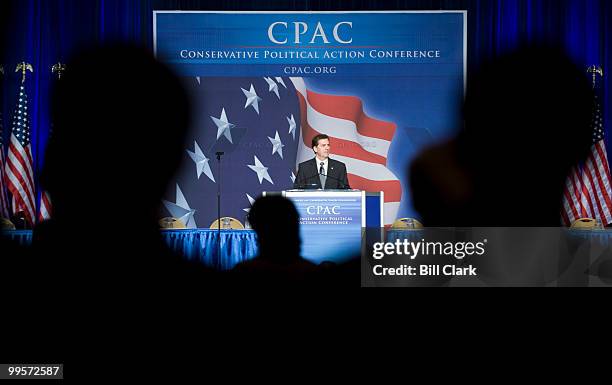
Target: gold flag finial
{"points": [[24, 67], [58, 69], [595, 70]]}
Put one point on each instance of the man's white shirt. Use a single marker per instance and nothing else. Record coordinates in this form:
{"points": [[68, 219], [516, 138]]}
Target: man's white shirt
{"points": [[325, 164]]}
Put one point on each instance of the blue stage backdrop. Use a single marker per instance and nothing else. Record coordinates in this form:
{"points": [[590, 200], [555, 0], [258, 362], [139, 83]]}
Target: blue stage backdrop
{"points": [[43, 32], [381, 85]]}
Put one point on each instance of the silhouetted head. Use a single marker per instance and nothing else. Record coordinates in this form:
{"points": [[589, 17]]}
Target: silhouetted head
{"points": [[120, 119], [527, 122], [276, 222]]}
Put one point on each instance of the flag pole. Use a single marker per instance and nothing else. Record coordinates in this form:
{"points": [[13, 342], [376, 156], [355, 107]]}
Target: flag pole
{"points": [[26, 207], [595, 70], [58, 69], [24, 67], [218, 262]]}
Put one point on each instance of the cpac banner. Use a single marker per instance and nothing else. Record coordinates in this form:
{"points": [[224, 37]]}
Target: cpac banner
{"points": [[381, 85]]}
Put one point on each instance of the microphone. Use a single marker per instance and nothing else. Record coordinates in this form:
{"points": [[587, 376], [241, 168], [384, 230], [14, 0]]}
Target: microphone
{"points": [[309, 186], [344, 185], [306, 186]]}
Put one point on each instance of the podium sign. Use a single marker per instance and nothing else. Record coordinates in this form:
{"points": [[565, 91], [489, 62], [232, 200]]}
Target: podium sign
{"points": [[331, 223]]}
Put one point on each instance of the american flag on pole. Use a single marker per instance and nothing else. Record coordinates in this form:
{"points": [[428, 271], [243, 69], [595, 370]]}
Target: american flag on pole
{"points": [[588, 192], [19, 172], [44, 204], [44, 210], [359, 141], [4, 201]]}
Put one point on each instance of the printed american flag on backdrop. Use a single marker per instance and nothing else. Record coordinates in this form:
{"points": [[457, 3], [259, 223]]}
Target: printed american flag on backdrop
{"points": [[255, 122], [18, 169], [357, 140], [588, 193], [264, 127]]}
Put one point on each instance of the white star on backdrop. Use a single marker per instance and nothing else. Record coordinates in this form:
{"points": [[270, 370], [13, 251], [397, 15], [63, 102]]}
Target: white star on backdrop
{"points": [[251, 98], [199, 80], [280, 80], [223, 126], [292, 126], [261, 170], [251, 201], [201, 162], [181, 210], [273, 87], [277, 145], [292, 177]]}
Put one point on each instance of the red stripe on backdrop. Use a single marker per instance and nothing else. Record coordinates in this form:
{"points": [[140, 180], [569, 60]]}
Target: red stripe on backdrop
{"points": [[392, 188], [303, 112], [351, 108], [343, 147]]}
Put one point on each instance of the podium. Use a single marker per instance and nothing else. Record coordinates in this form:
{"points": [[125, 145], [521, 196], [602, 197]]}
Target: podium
{"points": [[333, 222]]}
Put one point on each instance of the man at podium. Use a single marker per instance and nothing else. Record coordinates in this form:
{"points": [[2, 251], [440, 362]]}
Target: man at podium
{"points": [[321, 172]]}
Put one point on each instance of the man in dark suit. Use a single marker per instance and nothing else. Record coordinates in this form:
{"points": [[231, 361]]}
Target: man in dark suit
{"points": [[321, 172]]}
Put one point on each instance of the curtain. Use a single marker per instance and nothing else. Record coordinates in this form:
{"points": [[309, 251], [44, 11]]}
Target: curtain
{"points": [[201, 245], [43, 32]]}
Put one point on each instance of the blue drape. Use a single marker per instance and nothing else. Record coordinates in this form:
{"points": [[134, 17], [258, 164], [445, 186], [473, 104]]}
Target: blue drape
{"points": [[239, 246], [195, 245], [201, 245], [43, 32]]}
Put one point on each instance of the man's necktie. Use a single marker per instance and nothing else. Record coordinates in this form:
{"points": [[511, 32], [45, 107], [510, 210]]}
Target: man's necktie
{"points": [[322, 176]]}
